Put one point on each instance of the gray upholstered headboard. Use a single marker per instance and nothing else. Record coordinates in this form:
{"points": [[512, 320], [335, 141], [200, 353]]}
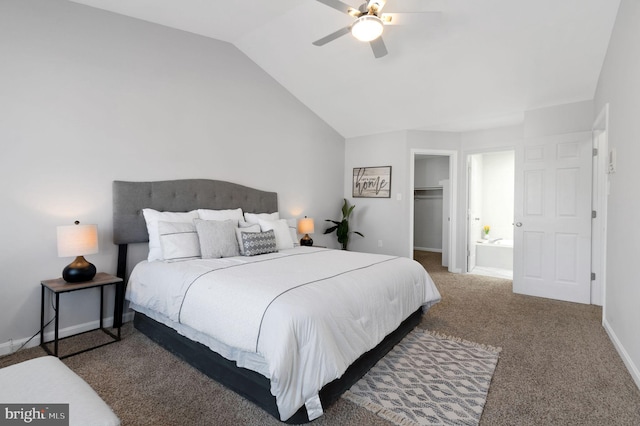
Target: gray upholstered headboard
{"points": [[129, 198]]}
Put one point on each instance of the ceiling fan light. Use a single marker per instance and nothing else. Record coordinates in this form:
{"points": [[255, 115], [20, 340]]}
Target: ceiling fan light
{"points": [[367, 28]]}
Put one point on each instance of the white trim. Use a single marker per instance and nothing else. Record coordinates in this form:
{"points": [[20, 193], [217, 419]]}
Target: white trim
{"points": [[433, 250], [599, 238], [628, 362], [453, 181], [9, 347]]}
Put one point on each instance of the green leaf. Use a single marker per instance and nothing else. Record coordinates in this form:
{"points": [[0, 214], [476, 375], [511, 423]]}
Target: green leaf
{"points": [[345, 207], [330, 230]]}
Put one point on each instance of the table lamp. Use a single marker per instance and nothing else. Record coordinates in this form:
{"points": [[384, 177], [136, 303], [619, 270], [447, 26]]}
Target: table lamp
{"points": [[78, 240], [305, 226]]}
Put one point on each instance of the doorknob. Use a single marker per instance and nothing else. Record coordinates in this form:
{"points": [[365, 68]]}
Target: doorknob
{"points": [[518, 224]]}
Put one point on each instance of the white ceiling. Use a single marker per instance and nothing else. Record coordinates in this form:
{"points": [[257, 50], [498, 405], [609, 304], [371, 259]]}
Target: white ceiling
{"points": [[474, 64]]}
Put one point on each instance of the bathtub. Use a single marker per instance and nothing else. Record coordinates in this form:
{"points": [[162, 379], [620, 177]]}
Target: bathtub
{"points": [[497, 254]]}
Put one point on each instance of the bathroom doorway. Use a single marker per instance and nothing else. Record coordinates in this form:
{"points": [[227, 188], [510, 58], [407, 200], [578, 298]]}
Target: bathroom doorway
{"points": [[490, 201]]}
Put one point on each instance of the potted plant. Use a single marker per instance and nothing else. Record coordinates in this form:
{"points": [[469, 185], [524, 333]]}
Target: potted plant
{"points": [[342, 228]]}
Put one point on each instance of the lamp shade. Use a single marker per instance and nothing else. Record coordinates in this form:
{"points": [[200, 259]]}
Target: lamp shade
{"points": [[77, 240], [367, 28], [305, 226]]}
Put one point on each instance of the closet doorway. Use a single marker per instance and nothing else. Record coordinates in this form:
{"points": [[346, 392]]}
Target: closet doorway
{"points": [[433, 204]]}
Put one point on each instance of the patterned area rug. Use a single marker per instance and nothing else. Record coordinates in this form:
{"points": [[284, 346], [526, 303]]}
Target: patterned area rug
{"points": [[428, 379]]}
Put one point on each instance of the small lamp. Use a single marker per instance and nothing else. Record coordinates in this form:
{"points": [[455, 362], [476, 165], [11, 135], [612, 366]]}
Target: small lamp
{"points": [[78, 240], [305, 226]]}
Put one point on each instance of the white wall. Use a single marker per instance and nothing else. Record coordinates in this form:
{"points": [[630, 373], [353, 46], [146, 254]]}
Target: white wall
{"points": [[386, 220], [427, 223], [619, 86], [497, 139], [396, 148], [88, 97], [430, 171], [559, 119], [381, 220]]}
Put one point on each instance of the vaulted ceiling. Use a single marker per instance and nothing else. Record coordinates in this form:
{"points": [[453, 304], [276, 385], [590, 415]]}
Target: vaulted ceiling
{"points": [[470, 64]]}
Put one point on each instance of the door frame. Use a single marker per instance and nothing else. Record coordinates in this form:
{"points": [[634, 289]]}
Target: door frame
{"points": [[470, 248], [453, 183], [600, 194]]}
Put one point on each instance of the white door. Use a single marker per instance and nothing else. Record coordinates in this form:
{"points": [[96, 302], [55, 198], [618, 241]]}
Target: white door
{"points": [[474, 186], [553, 218]]}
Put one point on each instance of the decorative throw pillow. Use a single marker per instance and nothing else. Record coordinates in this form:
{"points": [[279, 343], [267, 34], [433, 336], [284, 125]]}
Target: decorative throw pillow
{"points": [[281, 231], [233, 214], [179, 241], [245, 227], [255, 243], [152, 217], [255, 217], [217, 238]]}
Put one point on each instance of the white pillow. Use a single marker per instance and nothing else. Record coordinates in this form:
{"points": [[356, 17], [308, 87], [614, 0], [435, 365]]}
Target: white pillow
{"points": [[179, 241], [245, 227], [281, 229], [255, 217], [293, 233], [217, 238], [231, 214], [152, 217]]}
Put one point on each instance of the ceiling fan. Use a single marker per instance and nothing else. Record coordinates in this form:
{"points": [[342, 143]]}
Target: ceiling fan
{"points": [[368, 24]]}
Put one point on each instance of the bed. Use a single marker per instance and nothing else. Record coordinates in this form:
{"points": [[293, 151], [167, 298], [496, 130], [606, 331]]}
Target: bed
{"points": [[289, 329]]}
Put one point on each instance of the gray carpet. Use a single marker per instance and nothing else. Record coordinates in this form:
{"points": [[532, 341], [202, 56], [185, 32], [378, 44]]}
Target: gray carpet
{"points": [[557, 366]]}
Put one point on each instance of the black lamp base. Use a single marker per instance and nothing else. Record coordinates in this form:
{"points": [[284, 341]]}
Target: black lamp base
{"points": [[79, 271], [306, 241]]}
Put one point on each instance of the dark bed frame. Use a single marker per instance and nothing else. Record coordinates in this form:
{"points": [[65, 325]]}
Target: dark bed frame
{"points": [[129, 198]]}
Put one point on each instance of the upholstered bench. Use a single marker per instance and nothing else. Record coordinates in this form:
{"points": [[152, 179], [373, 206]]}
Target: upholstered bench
{"points": [[47, 380]]}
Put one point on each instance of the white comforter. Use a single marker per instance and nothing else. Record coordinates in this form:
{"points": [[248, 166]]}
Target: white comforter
{"points": [[309, 312]]}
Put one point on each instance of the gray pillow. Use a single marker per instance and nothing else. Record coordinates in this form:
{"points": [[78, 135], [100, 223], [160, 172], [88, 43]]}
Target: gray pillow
{"points": [[259, 242], [217, 238]]}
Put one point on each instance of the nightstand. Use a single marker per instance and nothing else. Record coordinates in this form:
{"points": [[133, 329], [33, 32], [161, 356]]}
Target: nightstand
{"points": [[58, 286]]}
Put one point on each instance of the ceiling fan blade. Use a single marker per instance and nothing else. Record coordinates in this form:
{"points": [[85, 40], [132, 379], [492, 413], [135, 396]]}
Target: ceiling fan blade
{"points": [[412, 18], [332, 36], [342, 7], [378, 47]]}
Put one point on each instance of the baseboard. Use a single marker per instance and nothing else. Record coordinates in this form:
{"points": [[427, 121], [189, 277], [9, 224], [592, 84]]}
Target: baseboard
{"points": [[434, 250], [8, 348], [633, 369]]}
